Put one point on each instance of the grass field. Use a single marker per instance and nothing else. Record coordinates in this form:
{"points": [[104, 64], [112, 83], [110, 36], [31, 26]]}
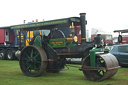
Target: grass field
{"points": [[10, 74]]}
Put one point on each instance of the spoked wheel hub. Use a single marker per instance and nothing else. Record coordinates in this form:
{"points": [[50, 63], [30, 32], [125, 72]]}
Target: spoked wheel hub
{"points": [[106, 67], [33, 61]]}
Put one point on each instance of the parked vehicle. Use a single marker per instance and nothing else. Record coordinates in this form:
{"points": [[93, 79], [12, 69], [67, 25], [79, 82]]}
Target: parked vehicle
{"points": [[121, 53], [9, 42]]}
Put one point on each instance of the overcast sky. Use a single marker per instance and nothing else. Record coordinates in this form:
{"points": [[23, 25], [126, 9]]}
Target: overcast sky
{"points": [[104, 14]]}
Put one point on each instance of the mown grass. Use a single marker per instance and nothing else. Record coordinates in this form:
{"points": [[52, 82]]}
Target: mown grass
{"points": [[10, 74]]}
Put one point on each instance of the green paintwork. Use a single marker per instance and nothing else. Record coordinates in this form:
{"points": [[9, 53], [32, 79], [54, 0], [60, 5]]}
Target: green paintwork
{"points": [[93, 57], [47, 23], [106, 50], [75, 19], [37, 41], [57, 43], [33, 55], [71, 45]]}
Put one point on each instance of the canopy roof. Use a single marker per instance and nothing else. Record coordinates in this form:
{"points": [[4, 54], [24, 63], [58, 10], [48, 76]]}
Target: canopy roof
{"points": [[48, 24], [122, 31]]}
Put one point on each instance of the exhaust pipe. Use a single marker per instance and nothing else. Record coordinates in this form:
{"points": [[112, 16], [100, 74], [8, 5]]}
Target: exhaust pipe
{"points": [[83, 27]]}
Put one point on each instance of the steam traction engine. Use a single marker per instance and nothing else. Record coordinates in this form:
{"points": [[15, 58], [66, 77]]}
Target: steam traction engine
{"points": [[48, 52]]}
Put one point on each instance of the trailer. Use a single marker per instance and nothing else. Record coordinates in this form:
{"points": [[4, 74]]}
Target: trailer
{"points": [[9, 43], [48, 53]]}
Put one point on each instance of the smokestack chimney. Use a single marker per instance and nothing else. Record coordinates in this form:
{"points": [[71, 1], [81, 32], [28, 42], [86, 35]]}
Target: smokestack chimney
{"points": [[83, 27]]}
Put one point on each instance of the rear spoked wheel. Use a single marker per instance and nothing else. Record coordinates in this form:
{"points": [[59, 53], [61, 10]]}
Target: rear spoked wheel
{"points": [[33, 61]]}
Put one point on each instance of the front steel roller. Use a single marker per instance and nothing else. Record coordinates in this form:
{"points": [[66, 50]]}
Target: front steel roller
{"points": [[33, 61], [106, 67]]}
